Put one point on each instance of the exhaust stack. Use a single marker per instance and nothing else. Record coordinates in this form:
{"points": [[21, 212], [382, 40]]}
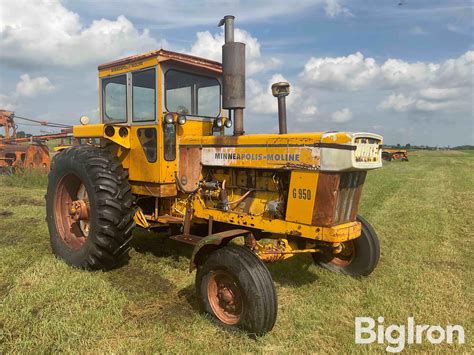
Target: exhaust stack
{"points": [[233, 67], [281, 90]]}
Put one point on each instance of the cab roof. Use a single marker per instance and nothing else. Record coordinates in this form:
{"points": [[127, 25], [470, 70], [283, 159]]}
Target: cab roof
{"points": [[167, 55]]}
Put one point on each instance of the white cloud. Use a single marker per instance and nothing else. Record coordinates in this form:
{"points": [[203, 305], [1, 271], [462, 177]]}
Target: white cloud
{"points": [[396, 72], [210, 46], [30, 87], [333, 8], [299, 105], [6, 103], [416, 103], [310, 110], [397, 102], [440, 93], [342, 116], [45, 32], [260, 98], [457, 71], [415, 87], [352, 72]]}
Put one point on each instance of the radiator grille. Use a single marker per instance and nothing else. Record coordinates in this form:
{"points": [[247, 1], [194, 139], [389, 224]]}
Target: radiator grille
{"points": [[348, 195]]}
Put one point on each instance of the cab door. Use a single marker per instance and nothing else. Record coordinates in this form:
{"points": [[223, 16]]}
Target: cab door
{"points": [[144, 139]]}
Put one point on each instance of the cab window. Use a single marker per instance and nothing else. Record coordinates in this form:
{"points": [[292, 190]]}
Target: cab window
{"points": [[192, 94], [114, 97], [143, 95]]}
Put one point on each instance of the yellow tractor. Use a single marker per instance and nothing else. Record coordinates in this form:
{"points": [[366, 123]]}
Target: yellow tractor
{"points": [[161, 158]]}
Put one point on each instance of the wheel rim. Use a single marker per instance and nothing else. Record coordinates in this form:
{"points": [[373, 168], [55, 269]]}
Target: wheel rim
{"points": [[71, 211], [225, 297], [345, 256]]}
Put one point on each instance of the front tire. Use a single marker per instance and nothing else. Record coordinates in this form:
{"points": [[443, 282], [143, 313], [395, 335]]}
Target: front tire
{"points": [[358, 257], [236, 289], [89, 208]]}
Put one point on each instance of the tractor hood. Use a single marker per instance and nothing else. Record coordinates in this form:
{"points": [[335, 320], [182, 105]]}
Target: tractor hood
{"points": [[325, 151]]}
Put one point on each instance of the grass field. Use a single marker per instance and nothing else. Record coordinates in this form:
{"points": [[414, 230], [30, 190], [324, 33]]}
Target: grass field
{"points": [[423, 211]]}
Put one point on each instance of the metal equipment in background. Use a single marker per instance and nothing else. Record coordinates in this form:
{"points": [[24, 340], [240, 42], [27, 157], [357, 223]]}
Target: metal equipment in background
{"points": [[27, 152]]}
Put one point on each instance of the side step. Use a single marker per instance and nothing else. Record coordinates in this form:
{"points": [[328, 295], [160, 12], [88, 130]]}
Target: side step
{"points": [[186, 238]]}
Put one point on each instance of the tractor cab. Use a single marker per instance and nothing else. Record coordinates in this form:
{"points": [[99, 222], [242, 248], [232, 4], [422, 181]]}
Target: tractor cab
{"points": [[147, 103], [142, 89]]}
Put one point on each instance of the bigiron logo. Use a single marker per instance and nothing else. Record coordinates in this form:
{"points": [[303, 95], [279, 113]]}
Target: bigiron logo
{"points": [[249, 156], [398, 335]]}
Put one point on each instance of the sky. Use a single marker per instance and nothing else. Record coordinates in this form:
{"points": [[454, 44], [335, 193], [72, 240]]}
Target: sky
{"points": [[400, 68]]}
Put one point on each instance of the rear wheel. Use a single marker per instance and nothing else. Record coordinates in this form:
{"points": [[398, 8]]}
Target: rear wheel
{"points": [[235, 287], [386, 156], [358, 257], [89, 208]]}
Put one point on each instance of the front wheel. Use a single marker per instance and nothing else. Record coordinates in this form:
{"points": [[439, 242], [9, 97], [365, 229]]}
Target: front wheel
{"points": [[358, 257], [236, 289]]}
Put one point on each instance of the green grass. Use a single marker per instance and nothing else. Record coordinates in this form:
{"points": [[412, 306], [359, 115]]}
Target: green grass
{"points": [[422, 210], [26, 179]]}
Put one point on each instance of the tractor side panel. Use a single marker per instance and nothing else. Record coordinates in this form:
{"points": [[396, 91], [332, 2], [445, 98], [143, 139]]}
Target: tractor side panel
{"points": [[144, 154], [301, 196], [337, 197], [190, 167]]}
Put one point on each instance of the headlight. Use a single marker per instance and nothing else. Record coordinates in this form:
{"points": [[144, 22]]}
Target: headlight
{"points": [[228, 122], [169, 118], [218, 122], [182, 119], [84, 120]]}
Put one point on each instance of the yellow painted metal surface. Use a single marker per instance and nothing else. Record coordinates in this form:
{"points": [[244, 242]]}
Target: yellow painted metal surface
{"points": [[157, 190], [90, 130], [301, 196], [140, 219], [193, 128], [121, 136], [336, 137], [271, 250], [140, 168], [120, 69], [258, 151], [338, 233]]}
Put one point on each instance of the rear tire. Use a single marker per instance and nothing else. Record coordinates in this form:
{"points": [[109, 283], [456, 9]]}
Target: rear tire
{"points": [[93, 182], [386, 156], [359, 257], [235, 287]]}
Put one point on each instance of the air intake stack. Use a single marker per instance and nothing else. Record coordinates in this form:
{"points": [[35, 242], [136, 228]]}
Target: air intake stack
{"points": [[233, 67], [281, 90]]}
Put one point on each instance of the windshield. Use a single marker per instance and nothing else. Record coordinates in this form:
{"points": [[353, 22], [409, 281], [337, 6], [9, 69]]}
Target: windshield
{"points": [[192, 94]]}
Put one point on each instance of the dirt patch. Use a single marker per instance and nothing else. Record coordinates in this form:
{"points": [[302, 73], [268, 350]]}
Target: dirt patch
{"points": [[5, 213], [169, 310], [22, 201]]}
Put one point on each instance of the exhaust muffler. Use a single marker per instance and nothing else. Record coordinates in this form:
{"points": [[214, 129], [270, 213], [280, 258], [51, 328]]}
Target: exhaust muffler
{"points": [[233, 67]]}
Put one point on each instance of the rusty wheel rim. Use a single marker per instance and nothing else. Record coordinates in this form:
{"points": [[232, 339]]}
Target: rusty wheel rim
{"points": [[225, 297], [346, 255], [83, 199], [71, 211]]}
